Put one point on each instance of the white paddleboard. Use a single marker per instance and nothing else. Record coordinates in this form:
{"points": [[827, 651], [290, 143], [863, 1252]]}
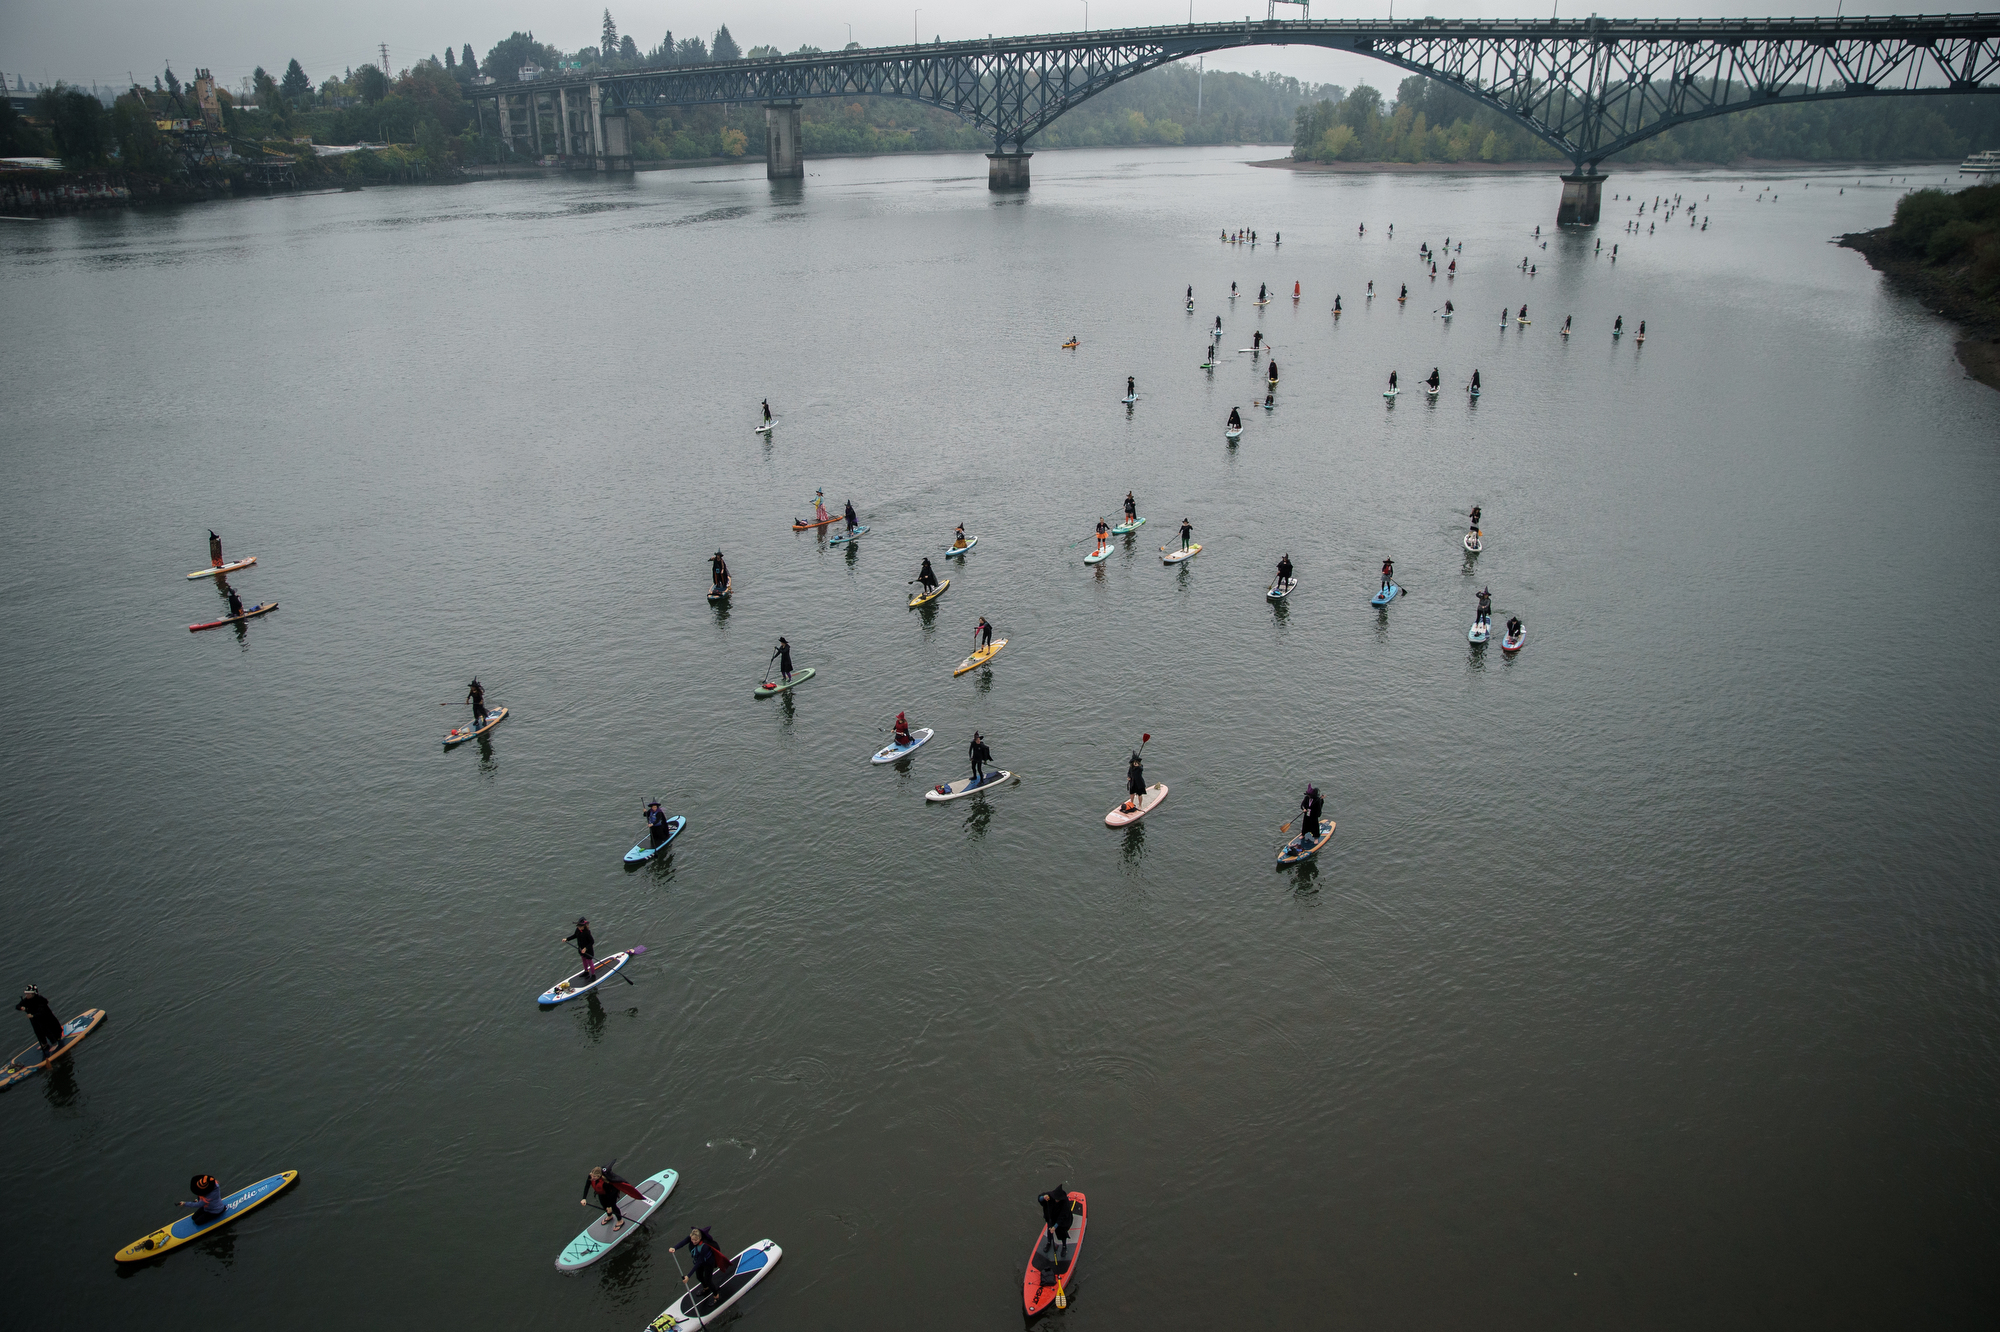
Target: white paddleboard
{"points": [[579, 985], [950, 551], [891, 752], [698, 1309], [937, 795], [765, 429], [1479, 632], [1472, 542], [1176, 556], [1120, 817], [232, 567]]}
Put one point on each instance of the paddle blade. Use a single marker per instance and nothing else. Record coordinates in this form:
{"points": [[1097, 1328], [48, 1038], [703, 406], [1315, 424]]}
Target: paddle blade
{"points": [[636, 949], [1144, 737], [1062, 1299]]}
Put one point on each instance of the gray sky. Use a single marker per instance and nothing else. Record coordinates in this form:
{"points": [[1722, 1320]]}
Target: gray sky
{"points": [[98, 41]]}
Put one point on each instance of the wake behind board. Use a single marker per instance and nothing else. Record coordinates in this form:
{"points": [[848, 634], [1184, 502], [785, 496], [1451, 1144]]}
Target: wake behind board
{"points": [[965, 786], [845, 537], [770, 687], [575, 987], [252, 613], [190, 1228], [1385, 596], [1304, 848], [244, 563], [979, 658], [600, 1238], [1281, 588], [646, 850], [926, 598], [1121, 817], [1176, 556], [698, 1308], [458, 735], [1129, 525], [1052, 1267], [891, 752], [31, 1060], [959, 551]]}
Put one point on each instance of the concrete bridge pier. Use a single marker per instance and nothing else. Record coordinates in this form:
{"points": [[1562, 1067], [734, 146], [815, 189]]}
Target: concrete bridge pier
{"points": [[784, 145], [1583, 195], [1007, 171]]}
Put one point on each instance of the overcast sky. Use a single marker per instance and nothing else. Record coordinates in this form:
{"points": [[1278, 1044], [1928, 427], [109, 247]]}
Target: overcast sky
{"points": [[99, 41]]}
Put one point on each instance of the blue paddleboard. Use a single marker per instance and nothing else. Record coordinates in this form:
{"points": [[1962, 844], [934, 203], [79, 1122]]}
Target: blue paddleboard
{"points": [[1385, 596], [645, 851], [845, 537]]}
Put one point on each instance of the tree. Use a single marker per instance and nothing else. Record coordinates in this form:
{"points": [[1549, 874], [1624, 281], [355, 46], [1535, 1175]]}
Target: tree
{"points": [[663, 54], [295, 84], [371, 85], [628, 50], [141, 147], [724, 46], [468, 64], [173, 84], [450, 61], [608, 44], [691, 51], [78, 123], [17, 137], [504, 61]]}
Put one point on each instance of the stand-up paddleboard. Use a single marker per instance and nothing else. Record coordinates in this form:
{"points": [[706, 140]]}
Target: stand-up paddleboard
{"points": [[1473, 391], [698, 1309], [250, 614], [950, 551], [801, 525], [1479, 632], [765, 429], [728, 587], [1052, 1270], [979, 658], [843, 538], [1206, 365], [646, 850], [1263, 302], [1431, 390], [965, 786], [1473, 543], [1132, 525], [1098, 554], [1385, 596], [1070, 345], [1616, 334], [1176, 556], [1129, 399], [1638, 337], [1272, 382], [575, 987], [1233, 435], [1512, 642], [1524, 322], [1121, 816], [1390, 393], [601, 1238], [190, 1228], [458, 735], [926, 598], [1565, 332], [1305, 848], [891, 752], [1251, 351], [31, 1060], [1447, 318], [770, 687], [1281, 589], [232, 567]]}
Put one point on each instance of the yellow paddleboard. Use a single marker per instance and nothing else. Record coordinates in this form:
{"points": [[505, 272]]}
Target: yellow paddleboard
{"points": [[191, 1228], [979, 658], [924, 598]]}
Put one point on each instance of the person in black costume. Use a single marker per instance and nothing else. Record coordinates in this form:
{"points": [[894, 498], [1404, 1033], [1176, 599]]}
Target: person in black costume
{"points": [[852, 521], [48, 1027], [1235, 419], [783, 655], [1135, 783], [586, 945], [718, 571], [927, 577], [707, 1263], [476, 696], [656, 823], [1485, 606], [1056, 1215], [601, 1190], [1284, 570], [1309, 811], [980, 756]]}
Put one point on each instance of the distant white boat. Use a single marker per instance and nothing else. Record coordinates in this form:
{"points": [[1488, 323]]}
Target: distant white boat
{"points": [[1986, 163]]}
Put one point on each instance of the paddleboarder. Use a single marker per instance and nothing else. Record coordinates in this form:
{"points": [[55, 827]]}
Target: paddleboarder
{"points": [[1131, 507], [1235, 419], [927, 577], [1336, 305], [48, 1027], [1257, 341], [476, 696], [980, 756], [1475, 519], [782, 654], [903, 737], [207, 1201], [602, 1190], [586, 946], [1485, 606], [656, 823], [958, 538], [1447, 310], [214, 548], [1309, 809], [852, 521], [1056, 1216], [982, 635], [1187, 533], [1392, 381], [1513, 626], [1103, 534], [767, 411], [1131, 387], [1388, 573], [235, 602], [718, 571], [1284, 569], [1475, 383], [1404, 294], [1273, 376], [1135, 783], [705, 1260], [1434, 381]]}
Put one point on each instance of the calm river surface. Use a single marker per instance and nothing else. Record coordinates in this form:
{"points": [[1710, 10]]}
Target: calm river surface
{"points": [[1649, 981]]}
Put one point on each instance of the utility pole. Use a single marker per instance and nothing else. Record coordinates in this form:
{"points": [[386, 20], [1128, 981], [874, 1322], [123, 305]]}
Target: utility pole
{"points": [[385, 58]]}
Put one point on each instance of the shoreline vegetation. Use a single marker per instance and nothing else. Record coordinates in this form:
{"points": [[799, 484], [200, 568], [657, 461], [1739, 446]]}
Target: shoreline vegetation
{"points": [[1944, 248], [365, 126]]}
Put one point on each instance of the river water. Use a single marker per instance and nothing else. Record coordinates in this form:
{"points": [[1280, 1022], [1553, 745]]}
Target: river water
{"points": [[1649, 980]]}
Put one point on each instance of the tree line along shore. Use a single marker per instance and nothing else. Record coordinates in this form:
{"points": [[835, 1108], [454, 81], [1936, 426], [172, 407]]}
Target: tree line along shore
{"points": [[1944, 248]]}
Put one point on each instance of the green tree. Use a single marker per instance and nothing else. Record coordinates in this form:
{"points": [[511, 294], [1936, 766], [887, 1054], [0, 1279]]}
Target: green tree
{"points": [[608, 43], [504, 61], [142, 149], [370, 84], [296, 86], [663, 54], [691, 51], [17, 137], [724, 46], [78, 123], [467, 66]]}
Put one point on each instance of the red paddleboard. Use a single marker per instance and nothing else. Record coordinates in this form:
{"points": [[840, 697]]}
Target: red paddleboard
{"points": [[1049, 1271], [801, 525], [249, 614]]}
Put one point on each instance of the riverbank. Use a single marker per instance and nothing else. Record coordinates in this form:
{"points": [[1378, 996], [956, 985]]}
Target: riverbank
{"points": [[1945, 289], [1559, 165]]}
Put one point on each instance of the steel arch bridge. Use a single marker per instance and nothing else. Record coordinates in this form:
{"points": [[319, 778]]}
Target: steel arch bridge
{"points": [[1589, 87]]}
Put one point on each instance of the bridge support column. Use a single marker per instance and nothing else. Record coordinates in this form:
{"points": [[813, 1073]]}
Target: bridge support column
{"points": [[1007, 171], [1583, 194], [784, 146]]}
